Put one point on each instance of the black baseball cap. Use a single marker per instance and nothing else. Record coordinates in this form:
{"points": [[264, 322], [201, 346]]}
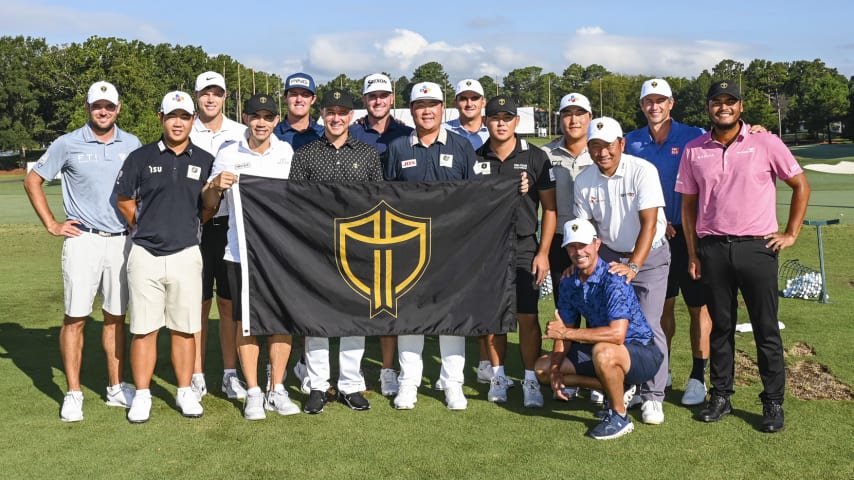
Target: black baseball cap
{"points": [[259, 102], [501, 103], [337, 98], [724, 86]]}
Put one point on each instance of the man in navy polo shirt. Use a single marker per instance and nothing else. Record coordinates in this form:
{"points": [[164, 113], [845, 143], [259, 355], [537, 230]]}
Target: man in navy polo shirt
{"points": [[615, 349], [507, 155], [96, 244], [158, 190], [297, 128], [430, 153]]}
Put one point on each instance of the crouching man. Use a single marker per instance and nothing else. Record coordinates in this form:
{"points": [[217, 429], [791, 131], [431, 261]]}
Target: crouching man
{"points": [[615, 351]]}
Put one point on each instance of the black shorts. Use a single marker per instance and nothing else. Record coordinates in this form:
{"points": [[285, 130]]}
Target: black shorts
{"points": [[645, 361], [234, 284], [558, 262], [679, 278], [214, 240], [527, 296]]}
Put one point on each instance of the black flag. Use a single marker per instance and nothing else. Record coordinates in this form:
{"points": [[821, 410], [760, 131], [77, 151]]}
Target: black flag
{"points": [[377, 258]]}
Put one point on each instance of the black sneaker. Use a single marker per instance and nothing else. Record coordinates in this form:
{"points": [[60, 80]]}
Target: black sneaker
{"points": [[773, 420], [717, 408], [355, 401], [317, 399]]}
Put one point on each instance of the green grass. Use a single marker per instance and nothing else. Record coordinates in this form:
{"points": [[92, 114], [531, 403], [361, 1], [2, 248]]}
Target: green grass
{"points": [[486, 441]]}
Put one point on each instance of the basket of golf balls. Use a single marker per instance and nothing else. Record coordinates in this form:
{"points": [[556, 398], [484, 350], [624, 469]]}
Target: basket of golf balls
{"points": [[799, 280]]}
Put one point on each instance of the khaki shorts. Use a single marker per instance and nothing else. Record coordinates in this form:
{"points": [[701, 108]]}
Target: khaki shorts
{"points": [[92, 264], [165, 291]]}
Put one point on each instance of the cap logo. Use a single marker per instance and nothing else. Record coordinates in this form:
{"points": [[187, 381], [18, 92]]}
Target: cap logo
{"points": [[376, 80], [600, 126], [104, 88], [178, 97], [501, 101], [654, 84], [574, 227], [262, 100], [468, 83], [724, 85], [425, 89], [299, 81], [336, 95]]}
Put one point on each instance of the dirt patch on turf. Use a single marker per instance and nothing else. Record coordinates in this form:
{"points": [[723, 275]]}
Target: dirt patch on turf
{"points": [[805, 380]]}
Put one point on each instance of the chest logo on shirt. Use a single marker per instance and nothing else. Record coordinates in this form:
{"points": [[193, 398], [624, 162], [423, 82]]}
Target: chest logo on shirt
{"points": [[594, 199], [152, 169], [446, 160], [408, 163], [674, 150], [242, 165], [520, 166], [482, 168], [382, 254], [628, 194], [194, 172]]}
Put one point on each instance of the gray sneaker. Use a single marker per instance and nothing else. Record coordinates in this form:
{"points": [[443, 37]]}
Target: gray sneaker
{"points": [[232, 387]]}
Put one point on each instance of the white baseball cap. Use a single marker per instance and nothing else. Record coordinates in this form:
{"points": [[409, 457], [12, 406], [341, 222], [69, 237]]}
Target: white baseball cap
{"points": [[575, 99], [656, 86], [102, 91], [177, 101], [578, 230], [376, 83], [470, 85], [426, 91], [209, 79], [604, 128]]}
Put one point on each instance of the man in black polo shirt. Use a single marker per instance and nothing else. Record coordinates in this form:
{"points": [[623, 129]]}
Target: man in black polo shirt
{"points": [[505, 154], [158, 192], [336, 157]]}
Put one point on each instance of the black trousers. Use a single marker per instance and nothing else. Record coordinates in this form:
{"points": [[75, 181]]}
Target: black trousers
{"points": [[729, 265]]}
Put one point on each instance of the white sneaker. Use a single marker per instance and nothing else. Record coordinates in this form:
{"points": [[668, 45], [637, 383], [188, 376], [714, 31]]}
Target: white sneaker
{"points": [[484, 373], [140, 409], [652, 412], [120, 395], [439, 385], [632, 397], [72, 407], [388, 382], [187, 400], [279, 402], [597, 397], [232, 387], [454, 397], [695, 392], [253, 407], [301, 372], [198, 386], [532, 396], [497, 390], [406, 397]]}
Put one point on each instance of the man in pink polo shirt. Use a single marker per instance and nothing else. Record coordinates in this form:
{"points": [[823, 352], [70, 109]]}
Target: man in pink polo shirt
{"points": [[727, 179]]}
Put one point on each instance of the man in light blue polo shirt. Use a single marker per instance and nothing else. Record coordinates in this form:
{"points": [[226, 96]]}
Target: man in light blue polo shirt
{"points": [[470, 102], [95, 247]]}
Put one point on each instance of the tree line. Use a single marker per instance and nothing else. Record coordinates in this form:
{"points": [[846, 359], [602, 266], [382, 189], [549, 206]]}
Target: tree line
{"points": [[44, 87]]}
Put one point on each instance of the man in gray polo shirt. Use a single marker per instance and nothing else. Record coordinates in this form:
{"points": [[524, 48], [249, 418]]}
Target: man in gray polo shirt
{"points": [[95, 247]]}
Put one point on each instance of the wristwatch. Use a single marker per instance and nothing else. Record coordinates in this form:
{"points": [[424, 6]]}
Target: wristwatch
{"points": [[633, 266]]}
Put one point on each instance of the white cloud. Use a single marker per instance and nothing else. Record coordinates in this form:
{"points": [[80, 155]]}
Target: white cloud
{"points": [[647, 55]]}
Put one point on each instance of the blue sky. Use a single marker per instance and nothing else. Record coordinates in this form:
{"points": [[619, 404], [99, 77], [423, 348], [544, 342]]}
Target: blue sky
{"points": [[471, 39]]}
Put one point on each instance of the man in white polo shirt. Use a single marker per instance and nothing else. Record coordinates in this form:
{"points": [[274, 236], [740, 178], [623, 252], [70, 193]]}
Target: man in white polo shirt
{"points": [[96, 242], [210, 131], [470, 103], [623, 198]]}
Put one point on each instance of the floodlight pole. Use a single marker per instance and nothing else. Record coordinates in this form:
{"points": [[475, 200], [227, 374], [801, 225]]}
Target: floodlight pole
{"points": [[822, 297]]}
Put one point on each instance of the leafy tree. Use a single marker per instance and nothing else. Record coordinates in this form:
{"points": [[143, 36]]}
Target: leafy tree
{"points": [[490, 87], [522, 84], [433, 72]]}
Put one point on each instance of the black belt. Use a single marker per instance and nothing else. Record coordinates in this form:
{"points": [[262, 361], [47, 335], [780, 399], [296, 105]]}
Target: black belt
{"points": [[220, 220], [731, 238], [99, 232]]}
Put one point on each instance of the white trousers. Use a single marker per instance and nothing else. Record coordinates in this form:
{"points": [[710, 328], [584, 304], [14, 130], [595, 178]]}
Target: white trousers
{"points": [[350, 352], [451, 348]]}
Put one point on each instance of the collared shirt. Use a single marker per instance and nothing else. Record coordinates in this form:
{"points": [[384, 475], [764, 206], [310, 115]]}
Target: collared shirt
{"points": [[322, 161], [666, 158], [613, 203], [298, 138], [210, 141], [360, 130], [601, 299], [89, 168], [238, 158], [167, 188], [523, 158], [565, 168], [735, 185], [450, 157], [477, 139]]}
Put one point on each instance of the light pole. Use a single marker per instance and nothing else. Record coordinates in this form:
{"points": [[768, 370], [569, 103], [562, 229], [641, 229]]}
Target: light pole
{"points": [[601, 110]]}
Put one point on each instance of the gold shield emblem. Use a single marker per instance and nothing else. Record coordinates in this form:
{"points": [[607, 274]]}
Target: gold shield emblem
{"points": [[381, 254]]}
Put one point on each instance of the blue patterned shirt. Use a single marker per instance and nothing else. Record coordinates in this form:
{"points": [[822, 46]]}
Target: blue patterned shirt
{"points": [[603, 298]]}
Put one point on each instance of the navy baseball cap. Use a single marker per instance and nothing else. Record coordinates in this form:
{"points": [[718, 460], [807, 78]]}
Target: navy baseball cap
{"points": [[300, 80], [259, 102], [500, 103], [724, 87]]}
